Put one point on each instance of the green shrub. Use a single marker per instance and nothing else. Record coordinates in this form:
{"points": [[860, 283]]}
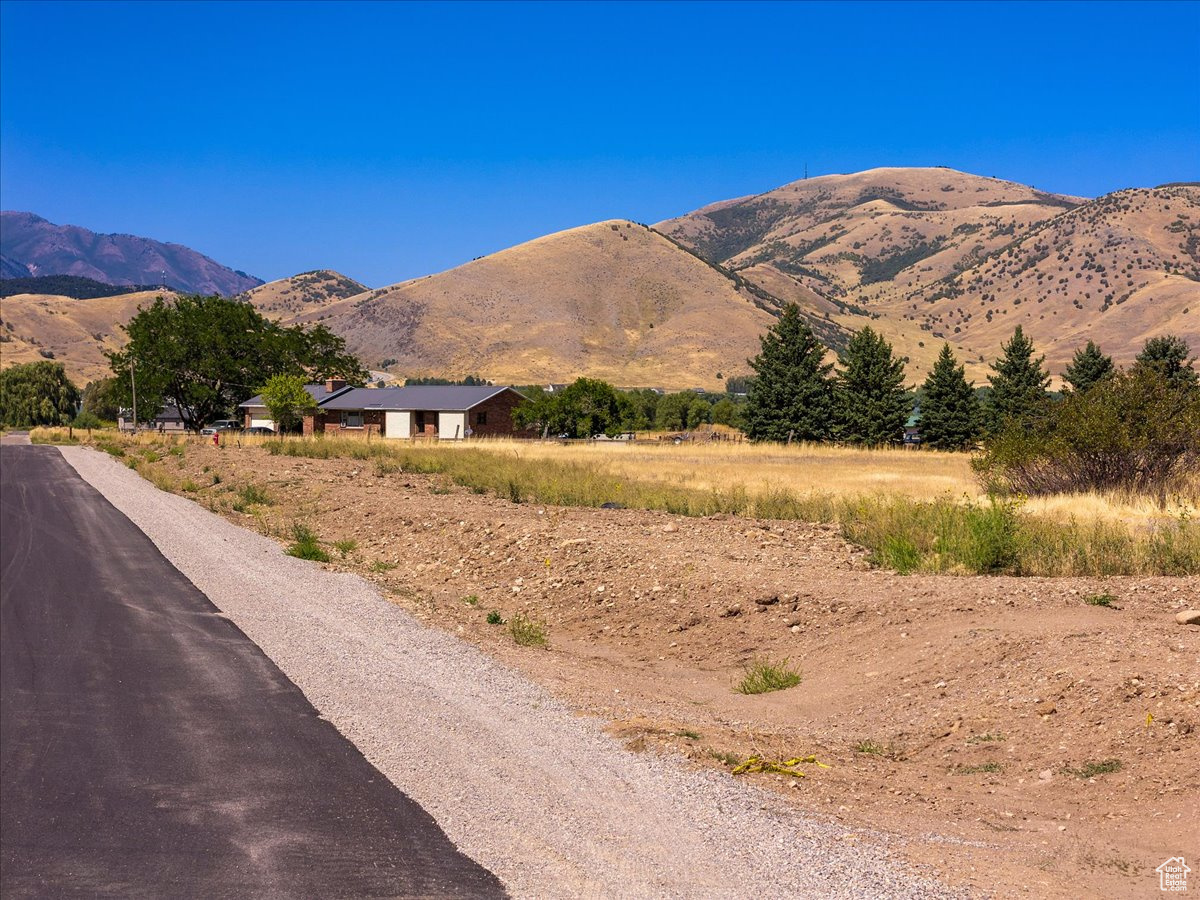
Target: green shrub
{"points": [[1100, 600], [763, 676], [251, 493], [305, 544], [526, 632], [1134, 432], [494, 617], [345, 547]]}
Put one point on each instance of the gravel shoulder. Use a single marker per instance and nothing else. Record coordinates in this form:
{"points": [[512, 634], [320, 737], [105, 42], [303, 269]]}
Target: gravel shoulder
{"points": [[540, 796]]}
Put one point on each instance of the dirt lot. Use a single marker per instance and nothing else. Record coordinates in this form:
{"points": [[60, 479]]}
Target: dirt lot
{"points": [[976, 720]]}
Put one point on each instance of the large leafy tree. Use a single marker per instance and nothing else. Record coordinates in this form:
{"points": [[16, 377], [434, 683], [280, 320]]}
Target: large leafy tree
{"points": [[207, 354], [1088, 368], [1169, 357], [287, 401], [37, 393], [583, 409], [589, 407], [872, 402], [1018, 382], [950, 412], [792, 393]]}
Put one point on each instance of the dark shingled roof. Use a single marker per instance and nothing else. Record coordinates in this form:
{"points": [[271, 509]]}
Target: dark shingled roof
{"points": [[316, 391], [449, 397]]}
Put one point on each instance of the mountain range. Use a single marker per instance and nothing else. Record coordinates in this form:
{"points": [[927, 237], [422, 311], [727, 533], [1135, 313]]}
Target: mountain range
{"points": [[921, 255], [29, 245]]}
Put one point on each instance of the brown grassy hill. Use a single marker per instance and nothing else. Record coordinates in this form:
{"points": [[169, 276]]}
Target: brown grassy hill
{"points": [[936, 254], [851, 236], [614, 300], [1116, 270], [76, 332], [300, 294]]}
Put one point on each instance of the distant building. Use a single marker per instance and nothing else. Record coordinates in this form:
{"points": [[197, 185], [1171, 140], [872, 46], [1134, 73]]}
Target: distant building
{"points": [[437, 412], [167, 419]]}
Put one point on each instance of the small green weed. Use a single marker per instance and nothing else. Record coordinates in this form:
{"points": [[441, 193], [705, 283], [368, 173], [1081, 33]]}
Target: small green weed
{"points": [[472, 600], [381, 566], [1106, 600], [988, 768], [1092, 769], [252, 493], [686, 733], [305, 544], [345, 547], [869, 746], [986, 738], [763, 676], [188, 486], [728, 759], [526, 632], [216, 478], [494, 617]]}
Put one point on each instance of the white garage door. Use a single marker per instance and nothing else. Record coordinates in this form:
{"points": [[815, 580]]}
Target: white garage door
{"points": [[452, 426], [397, 425]]}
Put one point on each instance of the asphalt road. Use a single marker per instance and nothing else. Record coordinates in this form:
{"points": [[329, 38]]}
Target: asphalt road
{"points": [[149, 748]]}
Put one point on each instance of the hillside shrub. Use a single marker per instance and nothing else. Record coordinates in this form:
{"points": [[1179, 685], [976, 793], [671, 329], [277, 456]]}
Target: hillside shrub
{"points": [[1133, 432]]}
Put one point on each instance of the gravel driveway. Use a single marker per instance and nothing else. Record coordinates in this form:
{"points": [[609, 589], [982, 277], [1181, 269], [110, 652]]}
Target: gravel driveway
{"points": [[538, 795]]}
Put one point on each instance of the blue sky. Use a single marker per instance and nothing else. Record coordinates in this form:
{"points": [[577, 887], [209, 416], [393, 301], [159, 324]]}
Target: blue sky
{"points": [[391, 140]]}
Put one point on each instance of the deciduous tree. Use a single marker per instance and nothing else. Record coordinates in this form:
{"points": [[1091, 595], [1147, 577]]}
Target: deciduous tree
{"points": [[37, 393], [287, 401]]}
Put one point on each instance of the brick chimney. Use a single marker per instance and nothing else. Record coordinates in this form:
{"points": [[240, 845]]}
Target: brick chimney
{"points": [[334, 384]]}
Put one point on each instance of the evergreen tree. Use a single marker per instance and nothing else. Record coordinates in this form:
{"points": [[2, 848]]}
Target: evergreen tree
{"points": [[1019, 382], [872, 404], [1088, 367], [1169, 357], [792, 393], [950, 411]]}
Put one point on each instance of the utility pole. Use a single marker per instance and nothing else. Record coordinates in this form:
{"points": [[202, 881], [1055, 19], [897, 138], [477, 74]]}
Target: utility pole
{"points": [[133, 390]]}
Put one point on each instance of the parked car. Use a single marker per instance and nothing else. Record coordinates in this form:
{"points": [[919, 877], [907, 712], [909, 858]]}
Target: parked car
{"points": [[259, 430], [221, 426]]}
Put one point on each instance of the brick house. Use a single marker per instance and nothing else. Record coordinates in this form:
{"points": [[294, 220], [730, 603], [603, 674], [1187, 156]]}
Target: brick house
{"points": [[435, 412], [256, 415]]}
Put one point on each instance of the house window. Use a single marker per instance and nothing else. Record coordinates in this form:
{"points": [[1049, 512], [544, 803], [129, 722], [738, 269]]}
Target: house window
{"points": [[481, 418], [352, 420]]}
